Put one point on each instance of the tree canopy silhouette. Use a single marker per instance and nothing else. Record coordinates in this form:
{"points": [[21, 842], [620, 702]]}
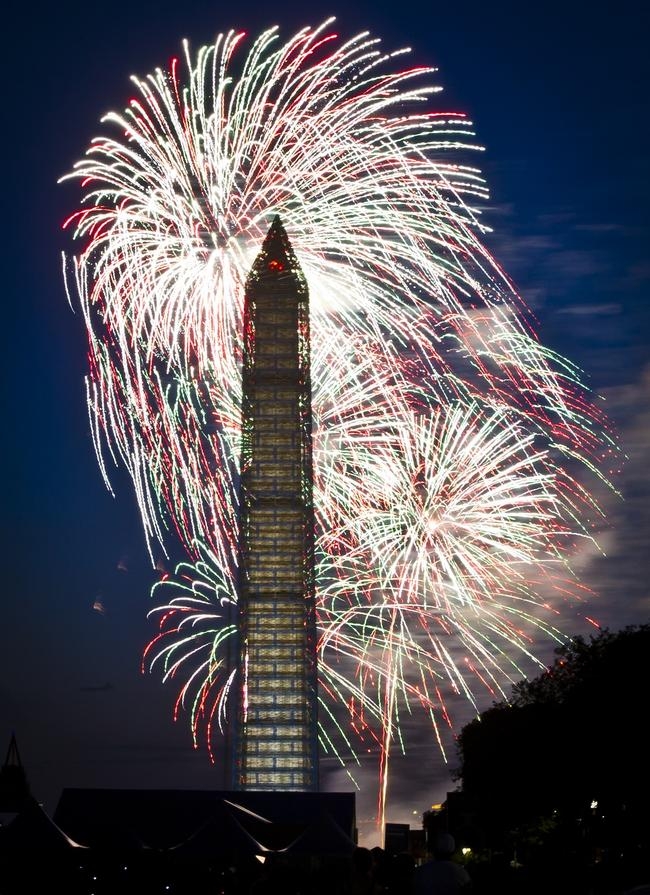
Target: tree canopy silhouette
{"points": [[569, 741]]}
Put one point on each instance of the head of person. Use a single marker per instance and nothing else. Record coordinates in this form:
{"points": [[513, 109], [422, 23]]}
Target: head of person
{"points": [[444, 845]]}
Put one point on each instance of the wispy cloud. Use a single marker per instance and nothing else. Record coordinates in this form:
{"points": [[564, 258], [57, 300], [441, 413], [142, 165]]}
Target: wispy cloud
{"points": [[586, 310]]}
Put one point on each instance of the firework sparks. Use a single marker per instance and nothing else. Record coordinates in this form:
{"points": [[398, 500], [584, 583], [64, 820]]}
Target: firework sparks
{"points": [[446, 437]]}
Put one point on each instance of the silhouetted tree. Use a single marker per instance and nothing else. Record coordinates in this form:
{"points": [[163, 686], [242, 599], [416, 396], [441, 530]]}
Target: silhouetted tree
{"points": [[571, 746]]}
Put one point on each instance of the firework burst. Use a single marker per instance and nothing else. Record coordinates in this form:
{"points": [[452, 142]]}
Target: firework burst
{"points": [[446, 437]]}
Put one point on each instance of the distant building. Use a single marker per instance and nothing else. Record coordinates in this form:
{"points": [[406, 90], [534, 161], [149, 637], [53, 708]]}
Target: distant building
{"points": [[456, 816], [401, 839], [396, 838]]}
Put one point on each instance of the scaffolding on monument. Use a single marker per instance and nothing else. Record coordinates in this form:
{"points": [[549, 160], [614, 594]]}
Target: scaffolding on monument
{"points": [[276, 735]]}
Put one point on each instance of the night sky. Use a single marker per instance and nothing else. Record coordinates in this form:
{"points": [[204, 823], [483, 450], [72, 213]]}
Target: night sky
{"points": [[558, 93]]}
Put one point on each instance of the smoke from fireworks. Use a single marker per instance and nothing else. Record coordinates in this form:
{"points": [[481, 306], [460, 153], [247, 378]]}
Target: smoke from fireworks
{"points": [[449, 444]]}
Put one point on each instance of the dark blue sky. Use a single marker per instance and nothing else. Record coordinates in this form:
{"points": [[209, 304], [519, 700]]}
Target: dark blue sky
{"points": [[558, 93]]}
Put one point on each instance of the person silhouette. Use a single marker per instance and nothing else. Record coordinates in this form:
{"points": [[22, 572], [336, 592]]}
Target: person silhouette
{"points": [[441, 875]]}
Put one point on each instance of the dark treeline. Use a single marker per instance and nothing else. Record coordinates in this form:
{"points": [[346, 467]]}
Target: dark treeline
{"points": [[556, 782]]}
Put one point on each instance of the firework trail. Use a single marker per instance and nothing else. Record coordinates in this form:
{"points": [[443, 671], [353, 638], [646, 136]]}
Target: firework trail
{"points": [[449, 444]]}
